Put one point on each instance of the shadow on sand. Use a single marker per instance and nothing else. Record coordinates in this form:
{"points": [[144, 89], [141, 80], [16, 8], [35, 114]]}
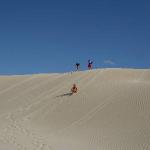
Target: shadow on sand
{"points": [[66, 94]]}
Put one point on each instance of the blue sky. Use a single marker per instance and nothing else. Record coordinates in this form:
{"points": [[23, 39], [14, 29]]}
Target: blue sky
{"points": [[51, 35]]}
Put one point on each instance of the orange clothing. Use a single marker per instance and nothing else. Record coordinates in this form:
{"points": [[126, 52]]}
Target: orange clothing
{"points": [[74, 89]]}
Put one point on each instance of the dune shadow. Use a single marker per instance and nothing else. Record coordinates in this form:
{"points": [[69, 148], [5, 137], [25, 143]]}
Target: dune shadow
{"points": [[66, 94]]}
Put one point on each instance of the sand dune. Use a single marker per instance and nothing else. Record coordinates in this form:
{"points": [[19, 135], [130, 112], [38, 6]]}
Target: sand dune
{"points": [[111, 111]]}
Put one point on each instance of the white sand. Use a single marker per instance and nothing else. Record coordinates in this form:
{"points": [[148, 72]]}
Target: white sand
{"points": [[111, 111]]}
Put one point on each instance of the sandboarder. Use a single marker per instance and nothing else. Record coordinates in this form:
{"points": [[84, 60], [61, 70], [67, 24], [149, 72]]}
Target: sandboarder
{"points": [[74, 89]]}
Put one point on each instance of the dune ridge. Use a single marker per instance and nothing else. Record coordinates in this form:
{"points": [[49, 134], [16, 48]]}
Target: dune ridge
{"points": [[111, 111]]}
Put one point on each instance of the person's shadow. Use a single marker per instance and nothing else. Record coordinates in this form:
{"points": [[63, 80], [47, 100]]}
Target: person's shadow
{"points": [[66, 94]]}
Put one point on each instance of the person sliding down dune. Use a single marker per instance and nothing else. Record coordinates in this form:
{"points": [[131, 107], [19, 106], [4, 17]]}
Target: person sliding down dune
{"points": [[74, 89]]}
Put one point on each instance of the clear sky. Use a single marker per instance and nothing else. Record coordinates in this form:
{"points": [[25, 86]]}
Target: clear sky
{"points": [[38, 36]]}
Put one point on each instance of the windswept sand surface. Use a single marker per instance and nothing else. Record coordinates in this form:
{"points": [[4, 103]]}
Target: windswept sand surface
{"points": [[111, 111]]}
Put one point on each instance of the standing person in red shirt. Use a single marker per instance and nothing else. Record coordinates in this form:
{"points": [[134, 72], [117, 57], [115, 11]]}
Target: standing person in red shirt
{"points": [[90, 64]]}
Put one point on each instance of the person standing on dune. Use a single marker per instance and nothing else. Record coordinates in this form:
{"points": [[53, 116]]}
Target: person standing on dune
{"points": [[77, 66], [90, 64]]}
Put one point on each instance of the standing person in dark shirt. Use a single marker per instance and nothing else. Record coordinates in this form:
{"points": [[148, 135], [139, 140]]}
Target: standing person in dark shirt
{"points": [[77, 66]]}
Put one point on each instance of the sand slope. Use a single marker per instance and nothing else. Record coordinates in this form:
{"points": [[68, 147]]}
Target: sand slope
{"points": [[110, 112]]}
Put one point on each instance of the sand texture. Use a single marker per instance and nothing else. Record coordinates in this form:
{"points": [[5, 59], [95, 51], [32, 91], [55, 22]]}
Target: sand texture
{"points": [[111, 111]]}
